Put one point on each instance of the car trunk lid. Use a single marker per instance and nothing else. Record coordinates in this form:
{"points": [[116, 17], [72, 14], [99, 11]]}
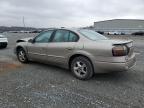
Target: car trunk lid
{"points": [[128, 43]]}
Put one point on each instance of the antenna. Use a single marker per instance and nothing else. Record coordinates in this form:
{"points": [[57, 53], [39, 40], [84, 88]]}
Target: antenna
{"points": [[23, 21]]}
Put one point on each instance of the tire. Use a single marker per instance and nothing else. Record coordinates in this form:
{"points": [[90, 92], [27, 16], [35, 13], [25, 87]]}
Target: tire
{"points": [[82, 68], [4, 46], [21, 55]]}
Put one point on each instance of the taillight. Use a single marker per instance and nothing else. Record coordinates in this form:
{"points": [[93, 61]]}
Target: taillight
{"points": [[119, 51]]}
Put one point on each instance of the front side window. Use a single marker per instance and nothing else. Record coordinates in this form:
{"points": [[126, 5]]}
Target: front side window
{"points": [[65, 36], [44, 37]]}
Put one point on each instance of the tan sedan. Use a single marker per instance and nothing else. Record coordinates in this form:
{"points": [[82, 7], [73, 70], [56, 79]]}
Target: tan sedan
{"points": [[83, 51]]}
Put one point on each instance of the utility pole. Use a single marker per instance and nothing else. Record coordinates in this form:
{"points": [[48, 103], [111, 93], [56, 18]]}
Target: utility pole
{"points": [[24, 21]]}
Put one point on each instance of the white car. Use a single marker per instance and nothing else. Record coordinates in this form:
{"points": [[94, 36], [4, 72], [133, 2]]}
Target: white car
{"points": [[3, 41]]}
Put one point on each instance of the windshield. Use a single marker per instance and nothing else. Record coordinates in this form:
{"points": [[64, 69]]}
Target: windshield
{"points": [[92, 35], [1, 36]]}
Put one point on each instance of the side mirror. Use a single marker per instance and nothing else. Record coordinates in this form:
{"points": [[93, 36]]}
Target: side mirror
{"points": [[31, 41]]}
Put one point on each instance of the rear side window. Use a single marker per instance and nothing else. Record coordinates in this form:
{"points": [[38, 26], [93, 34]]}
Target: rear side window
{"points": [[44, 37], [61, 36], [73, 37], [65, 36]]}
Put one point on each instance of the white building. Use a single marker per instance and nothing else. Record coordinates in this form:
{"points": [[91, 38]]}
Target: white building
{"points": [[126, 26]]}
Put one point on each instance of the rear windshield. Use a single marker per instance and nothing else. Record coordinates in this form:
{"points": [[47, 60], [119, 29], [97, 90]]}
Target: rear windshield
{"points": [[92, 35]]}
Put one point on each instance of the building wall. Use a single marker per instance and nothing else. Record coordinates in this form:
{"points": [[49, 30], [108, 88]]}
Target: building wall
{"points": [[120, 25]]}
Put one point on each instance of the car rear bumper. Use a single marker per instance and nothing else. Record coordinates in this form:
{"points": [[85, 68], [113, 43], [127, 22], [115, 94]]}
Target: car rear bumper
{"points": [[104, 67]]}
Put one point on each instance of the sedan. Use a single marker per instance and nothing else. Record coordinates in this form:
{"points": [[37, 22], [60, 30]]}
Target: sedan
{"points": [[3, 41], [83, 51]]}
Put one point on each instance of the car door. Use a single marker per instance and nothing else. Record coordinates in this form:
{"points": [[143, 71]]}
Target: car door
{"points": [[61, 46], [37, 49]]}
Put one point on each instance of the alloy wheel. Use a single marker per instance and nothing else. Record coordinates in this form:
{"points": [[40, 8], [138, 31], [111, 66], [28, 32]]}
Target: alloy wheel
{"points": [[21, 55], [80, 68]]}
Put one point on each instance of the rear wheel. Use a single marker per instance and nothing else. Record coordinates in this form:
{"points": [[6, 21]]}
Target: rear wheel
{"points": [[21, 55], [82, 68]]}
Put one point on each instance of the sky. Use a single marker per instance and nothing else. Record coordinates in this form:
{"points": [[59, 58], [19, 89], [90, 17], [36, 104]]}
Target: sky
{"points": [[67, 13]]}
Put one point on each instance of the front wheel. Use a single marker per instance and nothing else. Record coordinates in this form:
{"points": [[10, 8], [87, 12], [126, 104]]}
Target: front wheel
{"points": [[5, 46], [22, 55], [82, 68]]}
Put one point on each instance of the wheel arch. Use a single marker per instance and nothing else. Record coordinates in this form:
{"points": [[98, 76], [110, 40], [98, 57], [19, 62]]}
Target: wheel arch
{"points": [[77, 55], [19, 47]]}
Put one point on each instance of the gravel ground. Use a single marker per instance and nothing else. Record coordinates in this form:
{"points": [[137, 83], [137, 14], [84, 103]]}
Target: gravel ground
{"points": [[36, 85]]}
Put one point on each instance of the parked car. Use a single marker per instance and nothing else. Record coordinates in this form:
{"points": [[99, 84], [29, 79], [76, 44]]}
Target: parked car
{"points": [[84, 52], [122, 33], [100, 32], [141, 33], [114, 33], [3, 41]]}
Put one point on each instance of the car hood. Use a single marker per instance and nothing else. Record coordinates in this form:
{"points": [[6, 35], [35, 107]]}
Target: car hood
{"points": [[24, 39]]}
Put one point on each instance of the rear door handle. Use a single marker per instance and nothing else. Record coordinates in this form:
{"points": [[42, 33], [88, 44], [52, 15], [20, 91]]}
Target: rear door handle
{"points": [[69, 48]]}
